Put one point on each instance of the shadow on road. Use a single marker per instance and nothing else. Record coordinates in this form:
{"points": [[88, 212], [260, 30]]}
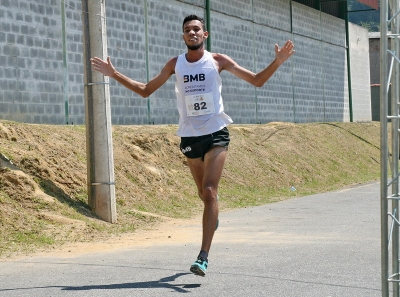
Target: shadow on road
{"points": [[162, 283]]}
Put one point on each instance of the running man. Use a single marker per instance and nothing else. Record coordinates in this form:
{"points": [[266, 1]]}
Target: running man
{"points": [[202, 121]]}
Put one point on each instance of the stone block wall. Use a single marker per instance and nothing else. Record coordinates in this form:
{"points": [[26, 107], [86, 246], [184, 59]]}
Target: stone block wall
{"points": [[41, 72], [360, 77]]}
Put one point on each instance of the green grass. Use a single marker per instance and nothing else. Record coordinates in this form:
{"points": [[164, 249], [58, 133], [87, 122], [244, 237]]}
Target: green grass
{"points": [[264, 162]]}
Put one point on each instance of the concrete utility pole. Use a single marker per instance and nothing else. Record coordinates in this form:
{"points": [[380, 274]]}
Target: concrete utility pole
{"points": [[99, 147]]}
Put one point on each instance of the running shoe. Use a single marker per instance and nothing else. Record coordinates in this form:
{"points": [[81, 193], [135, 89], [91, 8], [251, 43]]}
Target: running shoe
{"points": [[199, 267]]}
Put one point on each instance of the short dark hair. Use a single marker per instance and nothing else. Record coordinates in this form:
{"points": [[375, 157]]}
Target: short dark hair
{"points": [[194, 17]]}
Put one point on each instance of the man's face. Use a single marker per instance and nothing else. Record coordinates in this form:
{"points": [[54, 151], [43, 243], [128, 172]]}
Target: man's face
{"points": [[194, 35]]}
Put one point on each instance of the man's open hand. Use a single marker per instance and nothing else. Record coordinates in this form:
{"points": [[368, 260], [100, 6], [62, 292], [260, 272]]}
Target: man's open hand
{"points": [[102, 66], [283, 53]]}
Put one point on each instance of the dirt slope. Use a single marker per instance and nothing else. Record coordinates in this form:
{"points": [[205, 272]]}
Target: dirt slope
{"points": [[43, 175]]}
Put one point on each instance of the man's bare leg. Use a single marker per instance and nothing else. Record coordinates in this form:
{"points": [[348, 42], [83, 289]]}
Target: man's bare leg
{"points": [[207, 175]]}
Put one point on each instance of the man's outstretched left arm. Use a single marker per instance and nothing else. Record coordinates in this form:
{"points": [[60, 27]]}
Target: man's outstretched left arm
{"points": [[257, 79]]}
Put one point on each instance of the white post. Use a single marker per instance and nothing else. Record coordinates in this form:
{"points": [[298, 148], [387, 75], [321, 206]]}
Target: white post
{"points": [[99, 147]]}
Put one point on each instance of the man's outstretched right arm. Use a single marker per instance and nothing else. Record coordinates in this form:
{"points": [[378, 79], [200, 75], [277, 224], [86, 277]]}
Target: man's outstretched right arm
{"points": [[144, 90]]}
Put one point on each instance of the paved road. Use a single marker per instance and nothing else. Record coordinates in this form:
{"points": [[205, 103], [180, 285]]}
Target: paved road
{"points": [[320, 245]]}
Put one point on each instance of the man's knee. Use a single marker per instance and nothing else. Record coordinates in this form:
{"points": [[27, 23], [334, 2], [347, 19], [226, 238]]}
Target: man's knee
{"points": [[209, 194]]}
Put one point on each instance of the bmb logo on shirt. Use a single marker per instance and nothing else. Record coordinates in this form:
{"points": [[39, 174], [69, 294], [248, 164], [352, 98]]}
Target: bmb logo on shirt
{"points": [[197, 77]]}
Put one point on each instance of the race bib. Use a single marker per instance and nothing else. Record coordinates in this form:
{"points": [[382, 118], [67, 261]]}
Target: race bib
{"points": [[199, 104]]}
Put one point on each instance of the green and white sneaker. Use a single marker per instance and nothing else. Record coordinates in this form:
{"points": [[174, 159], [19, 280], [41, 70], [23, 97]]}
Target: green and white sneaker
{"points": [[199, 267]]}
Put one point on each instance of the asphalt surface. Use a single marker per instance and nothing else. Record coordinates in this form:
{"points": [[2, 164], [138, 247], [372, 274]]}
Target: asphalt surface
{"points": [[322, 245]]}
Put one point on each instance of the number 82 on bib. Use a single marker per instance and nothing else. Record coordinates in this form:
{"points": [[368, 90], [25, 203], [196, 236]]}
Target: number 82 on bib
{"points": [[199, 104]]}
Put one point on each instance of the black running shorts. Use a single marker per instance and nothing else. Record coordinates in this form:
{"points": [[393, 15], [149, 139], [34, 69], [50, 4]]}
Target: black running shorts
{"points": [[198, 146]]}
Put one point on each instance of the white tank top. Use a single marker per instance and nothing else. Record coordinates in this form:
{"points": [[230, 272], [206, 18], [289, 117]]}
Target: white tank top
{"points": [[198, 91]]}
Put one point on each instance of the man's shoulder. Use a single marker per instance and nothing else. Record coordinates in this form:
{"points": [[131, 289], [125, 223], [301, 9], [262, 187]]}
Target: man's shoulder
{"points": [[172, 62], [219, 56], [222, 60]]}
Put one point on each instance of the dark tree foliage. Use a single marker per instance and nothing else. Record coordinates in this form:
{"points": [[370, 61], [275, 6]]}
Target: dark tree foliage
{"points": [[363, 15]]}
